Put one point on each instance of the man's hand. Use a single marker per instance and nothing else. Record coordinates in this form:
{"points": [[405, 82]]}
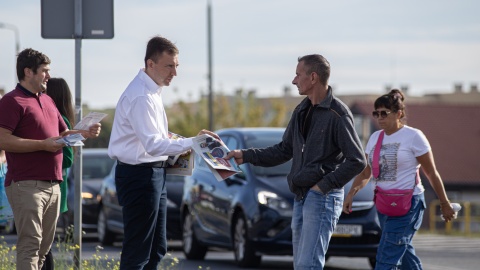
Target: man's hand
{"points": [[316, 188], [51, 145], [237, 154], [93, 131], [186, 153], [204, 131]]}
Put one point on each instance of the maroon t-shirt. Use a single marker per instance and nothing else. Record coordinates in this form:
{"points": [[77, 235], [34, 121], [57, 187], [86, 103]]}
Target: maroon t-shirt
{"points": [[29, 116]]}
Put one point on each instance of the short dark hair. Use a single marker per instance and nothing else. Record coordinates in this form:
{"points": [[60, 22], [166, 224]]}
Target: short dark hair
{"points": [[392, 101], [318, 64], [156, 46], [32, 59]]}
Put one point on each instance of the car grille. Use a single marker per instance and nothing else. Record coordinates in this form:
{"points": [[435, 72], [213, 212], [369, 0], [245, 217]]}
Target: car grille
{"points": [[355, 214], [366, 239]]}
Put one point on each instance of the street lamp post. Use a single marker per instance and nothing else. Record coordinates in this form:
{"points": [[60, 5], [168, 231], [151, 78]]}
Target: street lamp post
{"points": [[17, 38]]}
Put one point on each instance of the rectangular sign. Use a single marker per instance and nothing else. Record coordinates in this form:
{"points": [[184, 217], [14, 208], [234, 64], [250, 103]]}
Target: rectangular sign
{"points": [[58, 19]]}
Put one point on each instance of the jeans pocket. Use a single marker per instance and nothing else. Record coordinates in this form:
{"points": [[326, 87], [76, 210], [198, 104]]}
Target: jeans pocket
{"points": [[319, 192], [392, 248]]}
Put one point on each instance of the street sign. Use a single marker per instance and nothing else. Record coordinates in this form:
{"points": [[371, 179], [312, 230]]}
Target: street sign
{"points": [[58, 19]]}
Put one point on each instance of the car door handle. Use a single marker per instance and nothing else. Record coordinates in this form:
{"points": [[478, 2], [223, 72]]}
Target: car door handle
{"points": [[212, 188]]}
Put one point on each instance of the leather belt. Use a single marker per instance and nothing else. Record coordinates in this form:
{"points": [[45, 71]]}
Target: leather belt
{"points": [[155, 164], [54, 181]]}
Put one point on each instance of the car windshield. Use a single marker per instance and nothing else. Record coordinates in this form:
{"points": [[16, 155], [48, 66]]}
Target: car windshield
{"points": [[95, 167], [262, 140]]}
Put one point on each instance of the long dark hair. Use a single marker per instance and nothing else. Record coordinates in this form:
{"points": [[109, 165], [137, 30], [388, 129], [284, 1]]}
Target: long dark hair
{"points": [[58, 90]]}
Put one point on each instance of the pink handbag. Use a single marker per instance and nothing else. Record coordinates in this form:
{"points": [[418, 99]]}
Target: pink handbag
{"points": [[391, 202]]}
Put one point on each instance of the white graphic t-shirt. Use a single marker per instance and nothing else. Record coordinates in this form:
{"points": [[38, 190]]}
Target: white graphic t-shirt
{"points": [[398, 163]]}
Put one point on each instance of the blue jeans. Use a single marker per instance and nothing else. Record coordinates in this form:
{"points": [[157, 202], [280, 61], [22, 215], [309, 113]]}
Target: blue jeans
{"points": [[395, 250], [143, 196], [313, 221]]}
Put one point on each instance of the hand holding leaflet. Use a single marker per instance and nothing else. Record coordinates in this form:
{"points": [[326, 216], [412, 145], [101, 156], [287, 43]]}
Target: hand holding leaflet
{"points": [[72, 140], [214, 152], [181, 164]]}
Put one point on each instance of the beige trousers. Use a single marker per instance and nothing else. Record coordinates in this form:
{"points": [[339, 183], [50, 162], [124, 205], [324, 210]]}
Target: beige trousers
{"points": [[35, 205]]}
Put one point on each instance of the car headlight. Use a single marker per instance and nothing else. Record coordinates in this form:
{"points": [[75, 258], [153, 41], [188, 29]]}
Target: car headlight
{"points": [[88, 198], [362, 205], [273, 201]]}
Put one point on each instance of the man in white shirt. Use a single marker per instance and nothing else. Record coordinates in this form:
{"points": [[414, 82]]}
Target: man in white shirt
{"points": [[140, 144]]}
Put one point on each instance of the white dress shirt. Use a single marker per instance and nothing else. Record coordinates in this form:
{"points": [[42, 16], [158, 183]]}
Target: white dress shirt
{"points": [[140, 128]]}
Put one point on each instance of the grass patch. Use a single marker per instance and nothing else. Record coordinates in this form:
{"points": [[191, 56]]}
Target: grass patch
{"points": [[64, 250]]}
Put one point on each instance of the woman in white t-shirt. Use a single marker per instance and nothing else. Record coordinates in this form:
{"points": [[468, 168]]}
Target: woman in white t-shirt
{"points": [[404, 150]]}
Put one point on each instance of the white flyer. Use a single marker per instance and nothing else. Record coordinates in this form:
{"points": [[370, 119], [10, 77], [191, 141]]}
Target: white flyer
{"points": [[89, 120]]}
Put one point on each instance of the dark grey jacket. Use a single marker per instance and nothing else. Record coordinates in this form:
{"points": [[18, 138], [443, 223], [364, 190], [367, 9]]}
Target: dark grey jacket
{"points": [[330, 157]]}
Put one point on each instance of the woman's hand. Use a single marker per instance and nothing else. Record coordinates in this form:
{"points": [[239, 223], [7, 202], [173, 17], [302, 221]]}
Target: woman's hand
{"points": [[447, 211], [347, 203]]}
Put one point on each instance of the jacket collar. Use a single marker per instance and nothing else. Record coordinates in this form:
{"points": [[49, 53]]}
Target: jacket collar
{"points": [[325, 103]]}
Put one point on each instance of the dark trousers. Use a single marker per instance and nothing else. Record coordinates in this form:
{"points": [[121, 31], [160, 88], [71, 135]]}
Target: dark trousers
{"points": [[48, 264], [142, 193]]}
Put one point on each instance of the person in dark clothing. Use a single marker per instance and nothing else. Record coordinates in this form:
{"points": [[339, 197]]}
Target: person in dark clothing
{"points": [[326, 153]]}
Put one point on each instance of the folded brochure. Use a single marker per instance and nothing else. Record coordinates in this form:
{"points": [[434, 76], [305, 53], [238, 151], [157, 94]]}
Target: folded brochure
{"points": [[214, 151], [72, 140], [181, 164]]}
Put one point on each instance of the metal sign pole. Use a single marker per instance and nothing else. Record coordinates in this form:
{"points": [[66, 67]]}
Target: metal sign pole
{"points": [[78, 160]]}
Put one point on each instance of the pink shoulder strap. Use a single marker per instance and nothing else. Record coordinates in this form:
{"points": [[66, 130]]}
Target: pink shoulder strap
{"points": [[376, 156]]}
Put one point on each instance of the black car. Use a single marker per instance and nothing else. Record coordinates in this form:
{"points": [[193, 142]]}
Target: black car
{"points": [[250, 212], [96, 164], [110, 218]]}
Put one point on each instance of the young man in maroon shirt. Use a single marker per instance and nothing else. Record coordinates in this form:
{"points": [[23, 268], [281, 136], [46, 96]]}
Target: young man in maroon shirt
{"points": [[29, 125]]}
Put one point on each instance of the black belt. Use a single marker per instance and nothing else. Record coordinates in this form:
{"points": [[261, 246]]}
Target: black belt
{"points": [[53, 181], [155, 164]]}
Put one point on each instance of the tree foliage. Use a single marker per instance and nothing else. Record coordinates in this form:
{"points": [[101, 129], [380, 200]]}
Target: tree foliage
{"points": [[187, 119]]}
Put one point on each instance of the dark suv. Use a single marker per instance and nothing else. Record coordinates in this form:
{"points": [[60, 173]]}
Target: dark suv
{"points": [[250, 212]]}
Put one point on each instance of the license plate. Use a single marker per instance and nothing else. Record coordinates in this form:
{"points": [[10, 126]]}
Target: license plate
{"points": [[342, 230]]}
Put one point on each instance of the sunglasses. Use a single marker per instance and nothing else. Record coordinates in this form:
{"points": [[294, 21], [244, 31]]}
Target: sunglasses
{"points": [[382, 114]]}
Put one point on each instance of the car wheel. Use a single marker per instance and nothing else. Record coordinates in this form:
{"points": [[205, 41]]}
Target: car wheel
{"points": [[242, 247], [372, 261], [191, 247], [105, 236]]}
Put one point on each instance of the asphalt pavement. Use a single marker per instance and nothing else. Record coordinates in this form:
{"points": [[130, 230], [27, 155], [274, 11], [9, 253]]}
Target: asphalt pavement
{"points": [[437, 252]]}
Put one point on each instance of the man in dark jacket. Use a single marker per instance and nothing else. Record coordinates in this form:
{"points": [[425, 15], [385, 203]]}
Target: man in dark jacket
{"points": [[326, 152]]}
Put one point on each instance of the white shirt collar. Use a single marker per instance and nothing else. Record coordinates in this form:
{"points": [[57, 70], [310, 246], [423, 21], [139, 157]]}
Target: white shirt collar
{"points": [[149, 82]]}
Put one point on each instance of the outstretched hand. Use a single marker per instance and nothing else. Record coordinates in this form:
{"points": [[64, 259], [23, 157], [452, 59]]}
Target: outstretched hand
{"points": [[93, 131], [213, 134], [237, 154]]}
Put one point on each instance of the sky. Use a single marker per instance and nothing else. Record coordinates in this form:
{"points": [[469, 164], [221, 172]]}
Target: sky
{"points": [[427, 45]]}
